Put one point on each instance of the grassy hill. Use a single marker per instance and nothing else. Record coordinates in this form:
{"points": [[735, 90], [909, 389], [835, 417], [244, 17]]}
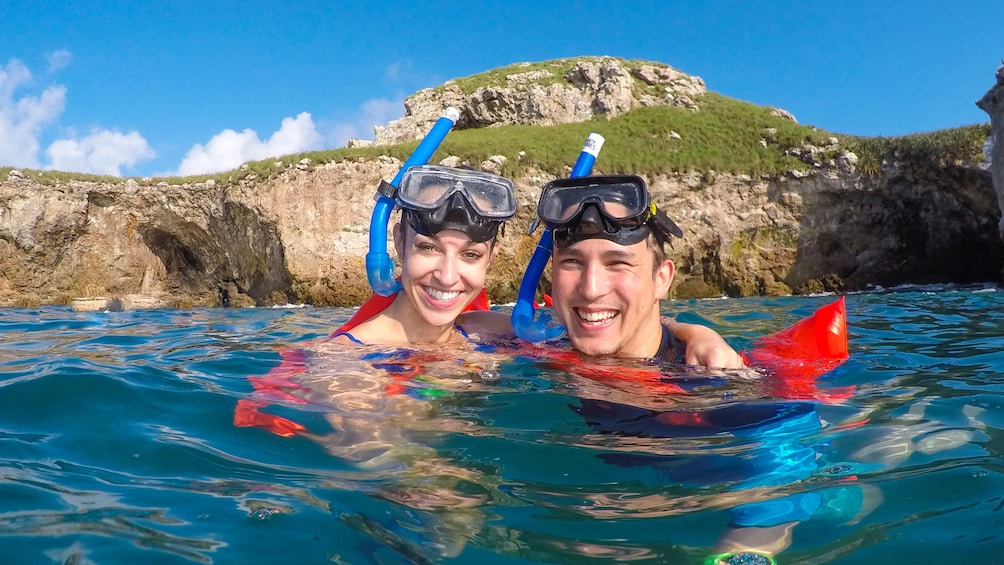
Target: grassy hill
{"points": [[726, 135]]}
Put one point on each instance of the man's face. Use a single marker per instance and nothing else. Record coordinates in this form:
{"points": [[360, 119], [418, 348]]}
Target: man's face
{"points": [[607, 296]]}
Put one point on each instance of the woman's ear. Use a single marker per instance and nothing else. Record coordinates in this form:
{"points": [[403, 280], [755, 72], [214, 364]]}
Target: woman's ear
{"points": [[493, 254], [399, 240]]}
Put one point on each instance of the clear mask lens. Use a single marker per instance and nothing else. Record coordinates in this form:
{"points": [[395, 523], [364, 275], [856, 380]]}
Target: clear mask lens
{"points": [[429, 187], [622, 199]]}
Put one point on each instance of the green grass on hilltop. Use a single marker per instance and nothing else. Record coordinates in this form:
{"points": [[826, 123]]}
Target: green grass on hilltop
{"points": [[935, 149], [52, 178], [725, 136]]}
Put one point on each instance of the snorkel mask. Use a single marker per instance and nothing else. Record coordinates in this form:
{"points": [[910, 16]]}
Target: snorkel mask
{"points": [[614, 207], [435, 198]]}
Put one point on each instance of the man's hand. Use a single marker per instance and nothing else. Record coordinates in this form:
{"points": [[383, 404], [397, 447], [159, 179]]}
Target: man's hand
{"points": [[705, 347]]}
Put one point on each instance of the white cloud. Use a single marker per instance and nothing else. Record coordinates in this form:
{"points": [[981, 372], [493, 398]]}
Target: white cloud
{"points": [[379, 111], [23, 120], [13, 75], [230, 149], [398, 70], [59, 60], [374, 112], [103, 152]]}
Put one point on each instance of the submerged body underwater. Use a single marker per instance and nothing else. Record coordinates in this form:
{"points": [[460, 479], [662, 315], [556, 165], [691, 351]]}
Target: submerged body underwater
{"points": [[118, 444]]}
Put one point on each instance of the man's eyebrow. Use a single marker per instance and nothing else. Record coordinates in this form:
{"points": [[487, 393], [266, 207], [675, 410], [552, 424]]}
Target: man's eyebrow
{"points": [[565, 251], [620, 255], [609, 255]]}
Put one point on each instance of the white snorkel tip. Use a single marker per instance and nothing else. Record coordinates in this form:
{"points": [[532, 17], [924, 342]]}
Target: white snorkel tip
{"points": [[451, 114], [593, 144]]}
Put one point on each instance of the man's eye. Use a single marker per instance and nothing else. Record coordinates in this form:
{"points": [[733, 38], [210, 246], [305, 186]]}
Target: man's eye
{"points": [[472, 256]]}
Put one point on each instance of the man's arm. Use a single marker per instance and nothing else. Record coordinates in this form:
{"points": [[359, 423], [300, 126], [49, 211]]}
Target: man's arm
{"points": [[704, 346], [486, 324]]}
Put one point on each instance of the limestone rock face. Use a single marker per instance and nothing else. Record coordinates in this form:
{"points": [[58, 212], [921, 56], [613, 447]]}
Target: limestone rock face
{"points": [[568, 91], [302, 236], [831, 231], [993, 103]]}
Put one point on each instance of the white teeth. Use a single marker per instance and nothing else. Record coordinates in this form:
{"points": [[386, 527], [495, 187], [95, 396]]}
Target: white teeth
{"points": [[442, 294], [596, 316]]}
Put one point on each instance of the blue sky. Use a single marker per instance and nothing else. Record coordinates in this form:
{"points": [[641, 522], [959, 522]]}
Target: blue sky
{"points": [[144, 88]]}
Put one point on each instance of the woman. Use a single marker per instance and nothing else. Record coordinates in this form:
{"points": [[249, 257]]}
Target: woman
{"points": [[446, 241]]}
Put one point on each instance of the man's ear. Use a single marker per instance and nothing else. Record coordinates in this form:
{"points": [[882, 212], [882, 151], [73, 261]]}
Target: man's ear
{"points": [[399, 240], [664, 278]]}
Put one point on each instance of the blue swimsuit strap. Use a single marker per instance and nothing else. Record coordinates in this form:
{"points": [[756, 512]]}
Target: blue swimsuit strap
{"points": [[351, 337], [356, 341], [463, 332]]}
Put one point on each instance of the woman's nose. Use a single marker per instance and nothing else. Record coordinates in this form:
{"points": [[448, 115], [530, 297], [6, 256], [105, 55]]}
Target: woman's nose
{"points": [[447, 273]]}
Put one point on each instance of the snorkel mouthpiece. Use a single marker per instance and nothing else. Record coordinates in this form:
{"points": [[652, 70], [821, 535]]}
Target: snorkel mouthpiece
{"points": [[379, 265]]}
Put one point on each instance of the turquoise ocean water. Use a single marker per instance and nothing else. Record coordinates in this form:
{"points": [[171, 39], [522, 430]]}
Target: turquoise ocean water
{"points": [[118, 445]]}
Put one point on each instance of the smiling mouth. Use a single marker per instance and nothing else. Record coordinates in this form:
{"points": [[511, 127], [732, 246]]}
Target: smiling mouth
{"points": [[595, 318], [441, 295]]}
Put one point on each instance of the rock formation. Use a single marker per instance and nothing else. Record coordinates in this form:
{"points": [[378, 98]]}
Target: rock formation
{"points": [[564, 91], [993, 103]]}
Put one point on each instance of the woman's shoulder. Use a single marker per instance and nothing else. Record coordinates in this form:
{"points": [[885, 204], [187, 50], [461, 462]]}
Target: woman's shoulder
{"points": [[375, 331]]}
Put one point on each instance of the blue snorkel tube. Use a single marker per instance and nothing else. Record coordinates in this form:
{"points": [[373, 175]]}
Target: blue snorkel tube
{"points": [[542, 329], [379, 265]]}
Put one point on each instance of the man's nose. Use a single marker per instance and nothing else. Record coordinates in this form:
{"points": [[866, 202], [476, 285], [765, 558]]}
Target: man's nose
{"points": [[593, 283]]}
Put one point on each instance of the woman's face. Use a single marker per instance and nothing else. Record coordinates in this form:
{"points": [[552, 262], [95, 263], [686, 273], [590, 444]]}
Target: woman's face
{"points": [[441, 274]]}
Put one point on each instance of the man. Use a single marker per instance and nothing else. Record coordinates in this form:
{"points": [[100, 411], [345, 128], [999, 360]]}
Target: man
{"points": [[610, 271], [609, 274]]}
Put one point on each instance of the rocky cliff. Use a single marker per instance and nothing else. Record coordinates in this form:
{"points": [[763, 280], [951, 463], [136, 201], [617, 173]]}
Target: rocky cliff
{"points": [[301, 234], [993, 104], [546, 94]]}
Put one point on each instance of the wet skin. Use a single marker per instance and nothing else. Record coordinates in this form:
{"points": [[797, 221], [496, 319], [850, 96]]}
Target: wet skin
{"points": [[607, 296]]}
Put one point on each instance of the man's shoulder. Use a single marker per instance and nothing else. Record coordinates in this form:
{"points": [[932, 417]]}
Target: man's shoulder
{"points": [[671, 348]]}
